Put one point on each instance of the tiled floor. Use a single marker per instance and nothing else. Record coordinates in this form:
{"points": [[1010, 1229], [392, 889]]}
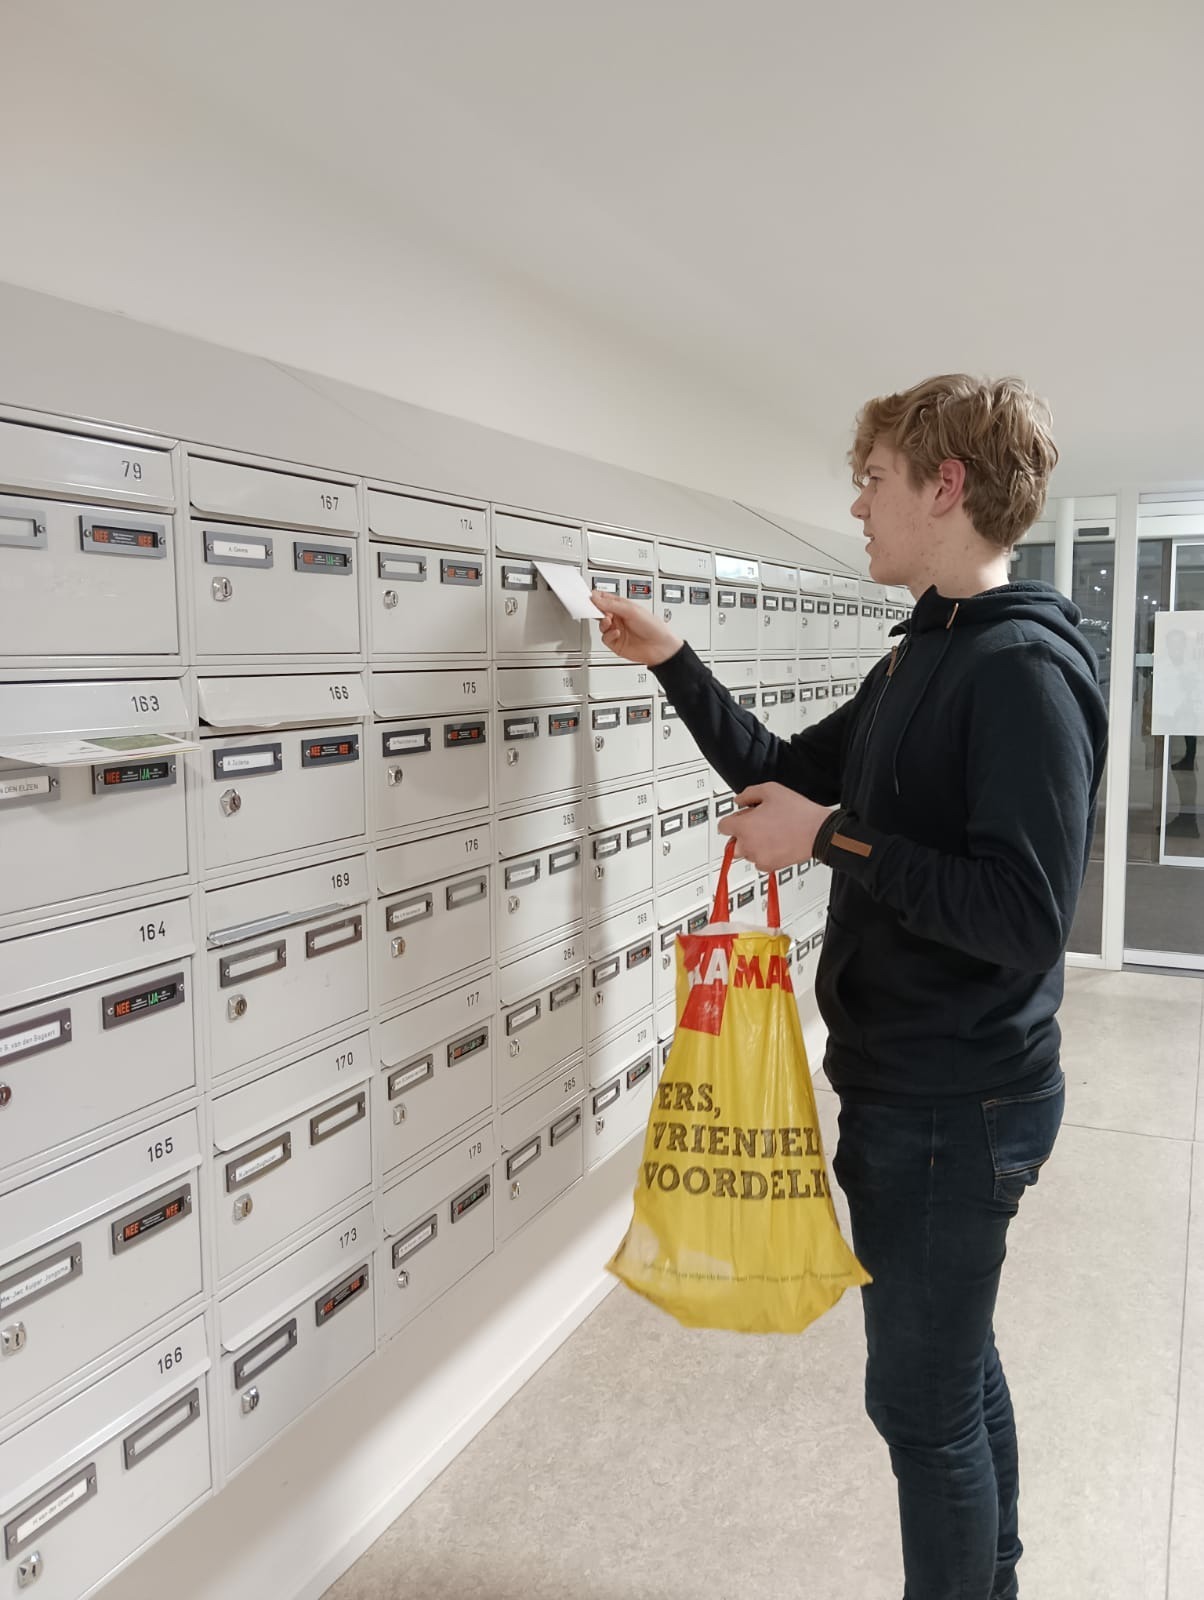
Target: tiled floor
{"points": [[643, 1461]]}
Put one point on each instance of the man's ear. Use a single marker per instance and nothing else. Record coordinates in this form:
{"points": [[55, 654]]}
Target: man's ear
{"points": [[950, 486]]}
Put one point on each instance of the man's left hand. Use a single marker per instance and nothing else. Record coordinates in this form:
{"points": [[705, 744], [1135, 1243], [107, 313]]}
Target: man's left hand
{"points": [[777, 830]]}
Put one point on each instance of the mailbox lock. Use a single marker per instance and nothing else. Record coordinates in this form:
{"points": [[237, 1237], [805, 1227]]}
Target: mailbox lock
{"points": [[513, 904], [403, 1279], [666, 848], [722, 618], [516, 1189], [231, 802], [599, 742], [398, 947], [512, 758], [599, 872], [399, 1116], [666, 733], [6, 1095], [12, 1339], [30, 1569], [668, 615], [223, 589], [250, 1401], [390, 598], [512, 607], [600, 1125], [237, 1007], [598, 999], [243, 1207], [516, 1049], [395, 776]]}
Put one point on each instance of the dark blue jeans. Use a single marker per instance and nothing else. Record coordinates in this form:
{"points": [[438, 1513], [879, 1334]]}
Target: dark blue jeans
{"points": [[931, 1192]]}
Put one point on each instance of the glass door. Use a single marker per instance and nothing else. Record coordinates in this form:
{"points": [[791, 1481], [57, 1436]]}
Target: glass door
{"points": [[1164, 895]]}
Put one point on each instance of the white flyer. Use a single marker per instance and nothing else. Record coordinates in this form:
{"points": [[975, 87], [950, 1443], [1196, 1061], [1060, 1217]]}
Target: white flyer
{"points": [[1178, 674], [567, 584], [61, 751]]}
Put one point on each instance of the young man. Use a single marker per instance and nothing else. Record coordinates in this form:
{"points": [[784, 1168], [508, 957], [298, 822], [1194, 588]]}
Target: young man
{"points": [[964, 776]]}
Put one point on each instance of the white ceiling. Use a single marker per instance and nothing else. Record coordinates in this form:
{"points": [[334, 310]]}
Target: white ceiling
{"points": [[803, 203]]}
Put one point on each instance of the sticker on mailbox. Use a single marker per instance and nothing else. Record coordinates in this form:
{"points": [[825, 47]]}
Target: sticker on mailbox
{"points": [[330, 752]]}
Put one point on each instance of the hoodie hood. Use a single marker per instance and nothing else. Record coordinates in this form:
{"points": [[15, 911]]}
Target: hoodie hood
{"points": [[1027, 603], [1030, 602]]}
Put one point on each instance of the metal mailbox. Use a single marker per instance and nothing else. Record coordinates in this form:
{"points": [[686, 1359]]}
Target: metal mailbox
{"points": [[779, 610], [528, 619], [427, 602], [622, 1074], [674, 743], [871, 636], [685, 593], [94, 1254], [288, 1149], [293, 1333], [96, 1024], [737, 610], [620, 733], [846, 616], [429, 752], [287, 960], [684, 824], [542, 1150], [539, 736], [241, 493], [261, 593], [815, 885], [619, 564], [294, 780], [620, 970], [686, 909], [815, 613], [413, 519], [434, 1072], [80, 582], [541, 1023], [541, 880], [432, 919], [619, 860], [84, 1489], [778, 700], [77, 829], [438, 1226], [429, 586]]}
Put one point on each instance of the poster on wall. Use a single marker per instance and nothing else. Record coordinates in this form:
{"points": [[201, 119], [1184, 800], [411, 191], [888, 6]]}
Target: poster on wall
{"points": [[1178, 705]]}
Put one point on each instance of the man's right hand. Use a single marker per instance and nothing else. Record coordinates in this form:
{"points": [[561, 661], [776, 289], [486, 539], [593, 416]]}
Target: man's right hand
{"points": [[634, 632]]}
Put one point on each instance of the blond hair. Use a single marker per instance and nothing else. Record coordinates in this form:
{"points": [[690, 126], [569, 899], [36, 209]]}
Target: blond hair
{"points": [[1000, 430]]}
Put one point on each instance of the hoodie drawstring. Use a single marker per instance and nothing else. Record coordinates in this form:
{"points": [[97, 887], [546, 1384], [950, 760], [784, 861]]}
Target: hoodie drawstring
{"points": [[932, 672]]}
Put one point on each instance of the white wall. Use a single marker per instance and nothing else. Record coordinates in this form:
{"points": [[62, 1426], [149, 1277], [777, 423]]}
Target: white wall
{"points": [[140, 196]]}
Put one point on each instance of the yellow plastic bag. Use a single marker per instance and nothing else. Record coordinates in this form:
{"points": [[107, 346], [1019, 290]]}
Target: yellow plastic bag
{"points": [[734, 1225]]}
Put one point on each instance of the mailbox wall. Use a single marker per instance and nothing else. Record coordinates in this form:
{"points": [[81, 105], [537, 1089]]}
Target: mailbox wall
{"points": [[341, 872]]}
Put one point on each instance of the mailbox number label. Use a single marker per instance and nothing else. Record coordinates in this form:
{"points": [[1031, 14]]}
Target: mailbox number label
{"points": [[170, 1359], [160, 1148], [145, 702], [150, 931]]}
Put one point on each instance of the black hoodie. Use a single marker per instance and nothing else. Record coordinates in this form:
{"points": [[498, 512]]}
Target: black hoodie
{"points": [[968, 766]]}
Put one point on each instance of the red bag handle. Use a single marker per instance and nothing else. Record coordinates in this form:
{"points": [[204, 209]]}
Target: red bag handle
{"points": [[721, 910]]}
